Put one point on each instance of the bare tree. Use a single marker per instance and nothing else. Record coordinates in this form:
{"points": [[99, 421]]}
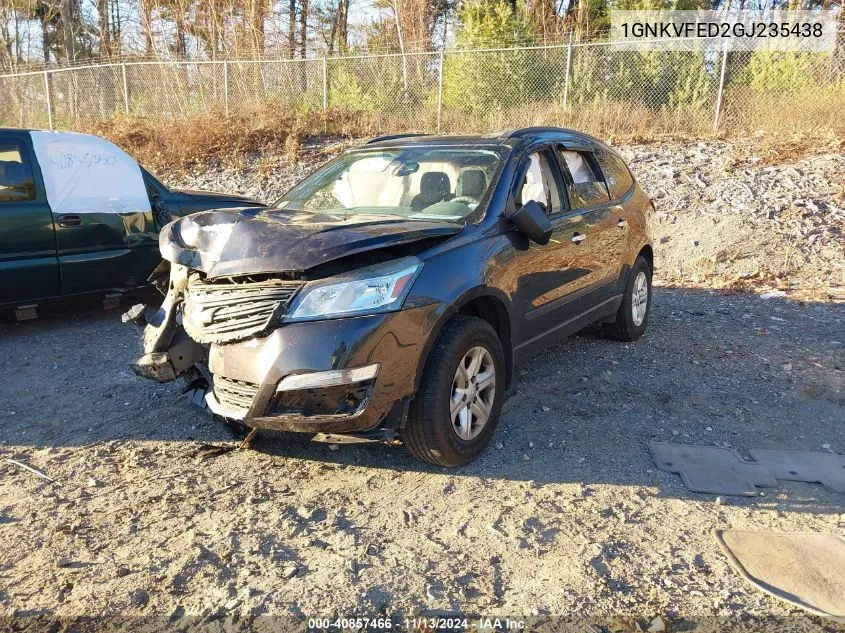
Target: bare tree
{"points": [[303, 28], [104, 30], [330, 20], [66, 10]]}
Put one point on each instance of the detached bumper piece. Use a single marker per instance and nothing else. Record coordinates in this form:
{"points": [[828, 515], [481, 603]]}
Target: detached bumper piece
{"points": [[154, 366]]}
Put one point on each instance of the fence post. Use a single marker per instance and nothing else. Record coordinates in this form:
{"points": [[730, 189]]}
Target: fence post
{"points": [[440, 92], [325, 85], [125, 88], [49, 99], [721, 86], [226, 86], [566, 77]]}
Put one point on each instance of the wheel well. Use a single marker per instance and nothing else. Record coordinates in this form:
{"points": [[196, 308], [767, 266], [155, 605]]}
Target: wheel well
{"points": [[646, 252], [494, 312]]}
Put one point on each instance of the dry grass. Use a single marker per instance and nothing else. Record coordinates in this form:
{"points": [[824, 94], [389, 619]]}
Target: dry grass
{"points": [[777, 132], [260, 131], [748, 113], [613, 120]]}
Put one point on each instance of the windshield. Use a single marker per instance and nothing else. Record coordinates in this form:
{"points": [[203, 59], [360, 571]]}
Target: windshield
{"points": [[419, 183]]}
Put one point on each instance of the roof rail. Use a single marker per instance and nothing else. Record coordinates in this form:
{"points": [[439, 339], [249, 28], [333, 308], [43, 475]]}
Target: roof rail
{"points": [[527, 131], [391, 137]]}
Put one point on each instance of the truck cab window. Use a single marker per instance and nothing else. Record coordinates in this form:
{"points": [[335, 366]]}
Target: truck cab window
{"points": [[16, 181]]}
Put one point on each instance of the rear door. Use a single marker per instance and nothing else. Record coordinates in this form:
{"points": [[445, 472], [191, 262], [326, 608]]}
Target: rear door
{"points": [[620, 184], [605, 229], [29, 268]]}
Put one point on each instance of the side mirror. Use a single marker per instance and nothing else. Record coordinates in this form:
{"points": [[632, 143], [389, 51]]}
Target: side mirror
{"points": [[533, 222]]}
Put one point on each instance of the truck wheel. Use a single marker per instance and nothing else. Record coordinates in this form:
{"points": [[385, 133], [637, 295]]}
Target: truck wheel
{"points": [[632, 316], [456, 410]]}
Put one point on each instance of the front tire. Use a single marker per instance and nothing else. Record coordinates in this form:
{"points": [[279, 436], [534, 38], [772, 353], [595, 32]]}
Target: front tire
{"points": [[632, 316], [457, 408]]}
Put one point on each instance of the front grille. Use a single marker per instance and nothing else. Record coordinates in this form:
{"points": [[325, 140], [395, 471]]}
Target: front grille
{"points": [[220, 312], [234, 394]]}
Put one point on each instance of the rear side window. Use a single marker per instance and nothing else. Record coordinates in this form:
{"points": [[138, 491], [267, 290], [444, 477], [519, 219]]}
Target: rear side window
{"points": [[587, 187], [16, 181], [616, 173]]}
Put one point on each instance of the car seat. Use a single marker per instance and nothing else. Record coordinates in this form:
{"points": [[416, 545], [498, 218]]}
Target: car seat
{"points": [[472, 183], [434, 187]]}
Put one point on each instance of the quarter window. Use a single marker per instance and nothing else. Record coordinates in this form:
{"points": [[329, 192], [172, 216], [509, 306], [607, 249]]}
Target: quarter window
{"points": [[616, 173], [540, 185], [16, 182], [587, 187]]}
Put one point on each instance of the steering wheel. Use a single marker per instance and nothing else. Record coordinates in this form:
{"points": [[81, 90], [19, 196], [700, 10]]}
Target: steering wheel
{"points": [[467, 200]]}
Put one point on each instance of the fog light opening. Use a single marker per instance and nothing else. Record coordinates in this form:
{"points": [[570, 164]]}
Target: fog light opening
{"points": [[331, 378]]}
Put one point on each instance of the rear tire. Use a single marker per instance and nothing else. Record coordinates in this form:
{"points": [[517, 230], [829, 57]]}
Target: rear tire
{"points": [[632, 316], [463, 383]]}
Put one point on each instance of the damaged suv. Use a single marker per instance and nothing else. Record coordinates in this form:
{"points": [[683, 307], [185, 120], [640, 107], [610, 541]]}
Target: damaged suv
{"points": [[389, 295]]}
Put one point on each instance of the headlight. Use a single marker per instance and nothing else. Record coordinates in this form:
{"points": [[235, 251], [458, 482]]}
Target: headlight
{"points": [[380, 288]]}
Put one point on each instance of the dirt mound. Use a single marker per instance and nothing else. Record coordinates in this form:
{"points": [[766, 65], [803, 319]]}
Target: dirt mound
{"points": [[727, 218], [730, 215]]}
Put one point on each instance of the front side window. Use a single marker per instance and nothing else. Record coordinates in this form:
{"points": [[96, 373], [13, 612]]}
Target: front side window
{"points": [[16, 181], [587, 187], [418, 183], [540, 185]]}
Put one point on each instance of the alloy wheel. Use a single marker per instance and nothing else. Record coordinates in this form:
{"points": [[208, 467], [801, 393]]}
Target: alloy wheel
{"points": [[473, 393], [639, 299]]}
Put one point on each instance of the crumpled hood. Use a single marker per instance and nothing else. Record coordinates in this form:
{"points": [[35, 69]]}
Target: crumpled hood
{"points": [[215, 196], [253, 241]]}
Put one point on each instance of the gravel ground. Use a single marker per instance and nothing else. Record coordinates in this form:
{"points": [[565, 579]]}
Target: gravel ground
{"points": [[154, 512]]}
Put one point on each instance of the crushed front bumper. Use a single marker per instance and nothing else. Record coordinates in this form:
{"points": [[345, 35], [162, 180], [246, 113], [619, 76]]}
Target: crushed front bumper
{"points": [[344, 375], [332, 376]]}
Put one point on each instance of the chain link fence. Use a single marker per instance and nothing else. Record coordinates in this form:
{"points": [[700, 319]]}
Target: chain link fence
{"points": [[588, 86]]}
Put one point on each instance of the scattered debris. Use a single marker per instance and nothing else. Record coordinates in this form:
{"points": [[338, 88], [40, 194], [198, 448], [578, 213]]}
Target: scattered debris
{"points": [[248, 439], [205, 451], [772, 294], [34, 471], [718, 470]]}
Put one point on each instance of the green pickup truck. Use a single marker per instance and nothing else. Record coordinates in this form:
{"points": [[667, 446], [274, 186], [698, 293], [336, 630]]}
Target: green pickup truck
{"points": [[78, 215]]}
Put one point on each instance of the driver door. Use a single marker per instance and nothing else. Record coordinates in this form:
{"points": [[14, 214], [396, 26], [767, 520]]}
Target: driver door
{"points": [[550, 275]]}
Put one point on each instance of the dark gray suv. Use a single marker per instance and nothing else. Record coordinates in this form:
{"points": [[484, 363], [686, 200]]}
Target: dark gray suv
{"points": [[390, 294]]}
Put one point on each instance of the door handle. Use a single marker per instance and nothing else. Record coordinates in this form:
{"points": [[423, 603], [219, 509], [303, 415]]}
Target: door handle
{"points": [[622, 223], [578, 238], [68, 221]]}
